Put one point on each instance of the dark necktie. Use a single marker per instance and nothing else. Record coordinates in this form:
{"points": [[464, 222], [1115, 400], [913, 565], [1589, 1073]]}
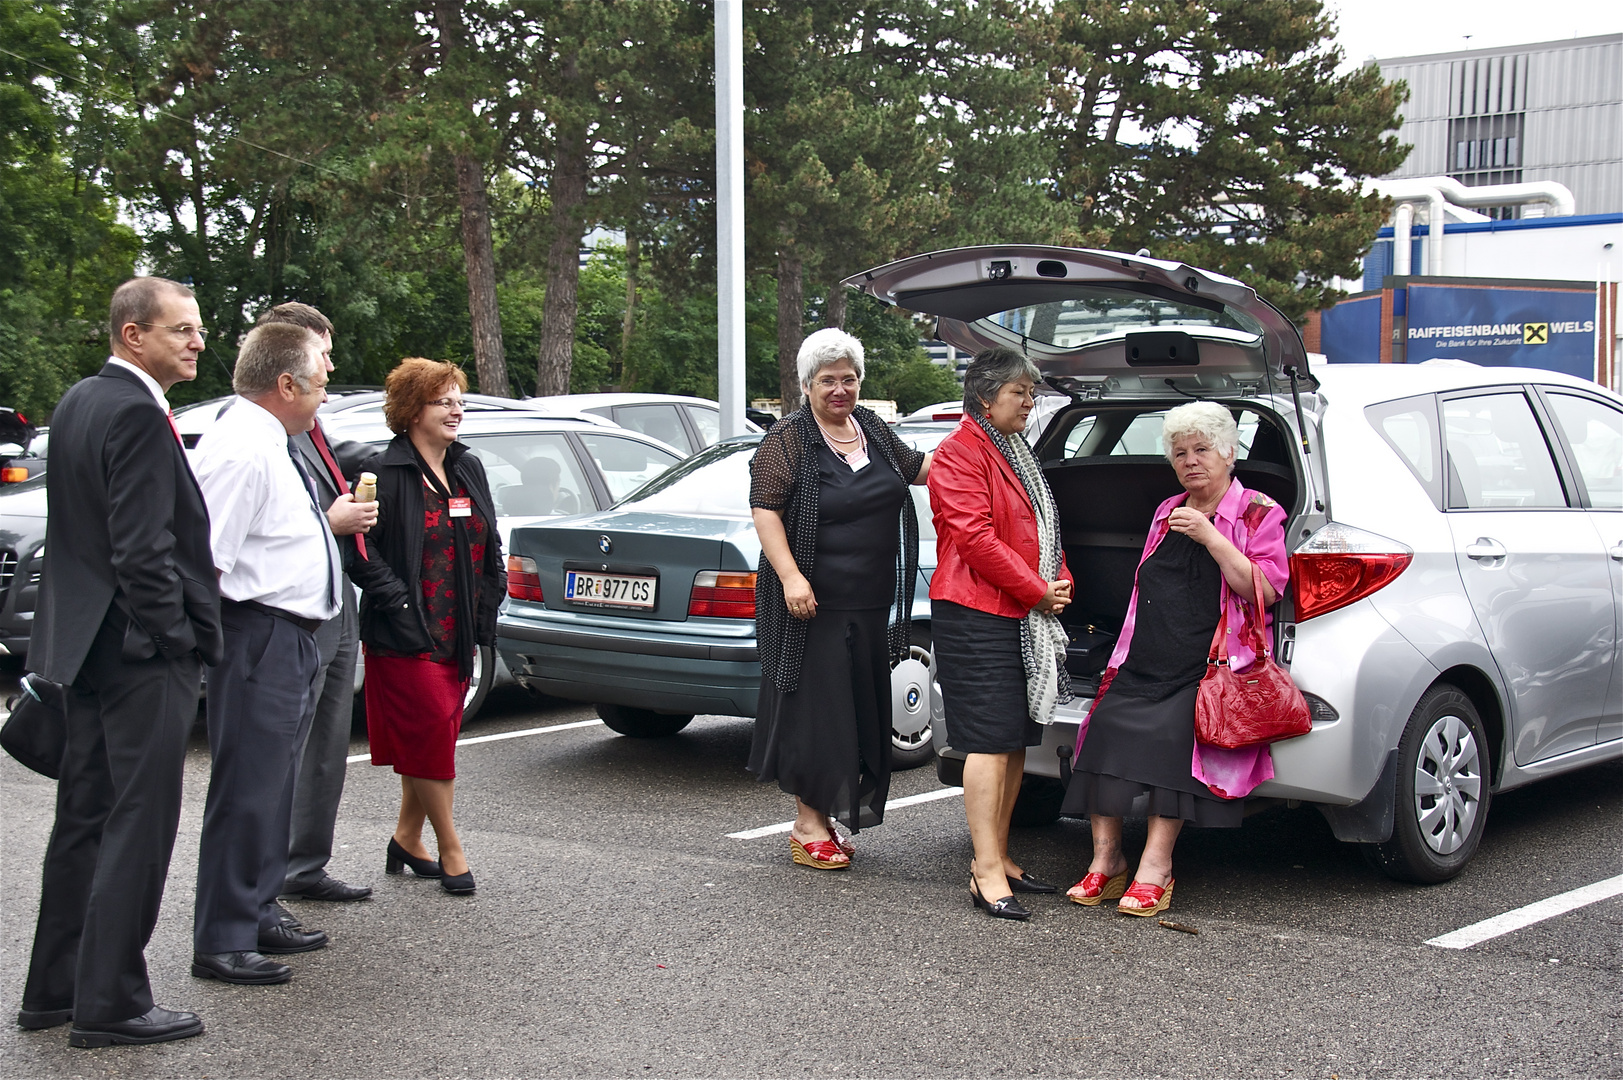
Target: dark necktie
{"points": [[315, 505]]}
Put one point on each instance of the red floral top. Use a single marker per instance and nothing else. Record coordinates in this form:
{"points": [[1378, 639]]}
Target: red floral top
{"points": [[439, 570]]}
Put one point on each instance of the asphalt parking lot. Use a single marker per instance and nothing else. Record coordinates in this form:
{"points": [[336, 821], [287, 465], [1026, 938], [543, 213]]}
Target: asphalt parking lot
{"points": [[619, 931]]}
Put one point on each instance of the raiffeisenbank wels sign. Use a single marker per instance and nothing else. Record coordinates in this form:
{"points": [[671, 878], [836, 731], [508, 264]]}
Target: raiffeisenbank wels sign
{"points": [[1549, 327]]}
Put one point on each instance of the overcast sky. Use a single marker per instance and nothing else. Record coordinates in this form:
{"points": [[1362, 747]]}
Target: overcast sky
{"points": [[1387, 28]]}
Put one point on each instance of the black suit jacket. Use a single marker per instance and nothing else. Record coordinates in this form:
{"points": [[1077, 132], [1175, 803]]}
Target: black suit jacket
{"points": [[128, 525]]}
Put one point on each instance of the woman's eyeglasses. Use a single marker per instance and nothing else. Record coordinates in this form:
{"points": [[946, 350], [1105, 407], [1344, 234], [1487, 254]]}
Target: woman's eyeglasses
{"points": [[829, 382], [446, 402]]}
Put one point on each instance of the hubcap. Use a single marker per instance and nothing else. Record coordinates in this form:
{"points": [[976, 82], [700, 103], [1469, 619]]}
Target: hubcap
{"points": [[1447, 785], [909, 700]]}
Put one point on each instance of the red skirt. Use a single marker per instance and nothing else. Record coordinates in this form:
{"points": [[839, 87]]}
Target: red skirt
{"points": [[413, 714]]}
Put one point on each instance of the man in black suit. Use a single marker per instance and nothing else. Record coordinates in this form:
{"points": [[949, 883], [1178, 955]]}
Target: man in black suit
{"points": [[323, 761], [129, 611]]}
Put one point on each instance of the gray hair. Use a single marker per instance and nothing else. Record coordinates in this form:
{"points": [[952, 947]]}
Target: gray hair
{"points": [[1207, 419], [989, 372], [272, 350], [825, 347], [138, 300]]}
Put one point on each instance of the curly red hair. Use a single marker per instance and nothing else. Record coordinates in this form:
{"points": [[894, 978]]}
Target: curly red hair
{"points": [[412, 385]]}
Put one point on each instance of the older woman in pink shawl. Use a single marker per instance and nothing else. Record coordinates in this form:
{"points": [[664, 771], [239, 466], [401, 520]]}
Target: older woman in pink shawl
{"points": [[1139, 739]]}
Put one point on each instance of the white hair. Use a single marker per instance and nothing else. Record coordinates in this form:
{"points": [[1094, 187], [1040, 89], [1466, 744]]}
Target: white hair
{"points": [[825, 347], [1207, 419]]}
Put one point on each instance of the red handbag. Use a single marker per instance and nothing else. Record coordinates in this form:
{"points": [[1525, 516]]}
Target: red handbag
{"points": [[1234, 709]]}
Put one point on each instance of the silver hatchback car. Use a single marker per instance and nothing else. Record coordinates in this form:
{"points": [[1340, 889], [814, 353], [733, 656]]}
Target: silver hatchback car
{"points": [[1456, 533]]}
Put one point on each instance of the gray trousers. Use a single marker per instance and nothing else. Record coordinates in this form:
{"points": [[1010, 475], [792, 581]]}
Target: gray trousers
{"points": [[322, 761], [260, 702]]}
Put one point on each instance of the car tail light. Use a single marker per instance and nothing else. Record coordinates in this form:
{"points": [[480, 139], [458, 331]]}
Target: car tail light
{"points": [[1339, 564], [13, 474], [523, 579], [723, 594]]}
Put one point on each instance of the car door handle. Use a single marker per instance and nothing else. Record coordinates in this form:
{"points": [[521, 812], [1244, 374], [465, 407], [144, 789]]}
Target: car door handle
{"points": [[1486, 547], [1616, 552]]}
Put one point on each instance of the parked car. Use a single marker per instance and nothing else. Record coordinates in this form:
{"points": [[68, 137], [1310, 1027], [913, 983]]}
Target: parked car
{"points": [[22, 448], [680, 638], [540, 467], [688, 423], [1456, 532], [1048, 402], [22, 557], [349, 402]]}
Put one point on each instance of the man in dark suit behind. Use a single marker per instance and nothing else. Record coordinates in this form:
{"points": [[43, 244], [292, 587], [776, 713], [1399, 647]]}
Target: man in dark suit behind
{"points": [[129, 611]]}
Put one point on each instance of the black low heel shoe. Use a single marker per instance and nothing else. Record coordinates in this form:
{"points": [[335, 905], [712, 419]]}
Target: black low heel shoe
{"points": [[1027, 884], [458, 884], [1006, 908], [396, 856]]}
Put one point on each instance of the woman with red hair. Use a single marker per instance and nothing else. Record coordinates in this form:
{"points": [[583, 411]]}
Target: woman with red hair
{"points": [[431, 583]]}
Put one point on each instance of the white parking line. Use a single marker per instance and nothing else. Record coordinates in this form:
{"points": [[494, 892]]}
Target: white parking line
{"points": [[353, 758], [1487, 929], [893, 804]]}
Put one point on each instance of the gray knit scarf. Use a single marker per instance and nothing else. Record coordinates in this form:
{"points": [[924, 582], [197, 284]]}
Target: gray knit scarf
{"points": [[1042, 638]]}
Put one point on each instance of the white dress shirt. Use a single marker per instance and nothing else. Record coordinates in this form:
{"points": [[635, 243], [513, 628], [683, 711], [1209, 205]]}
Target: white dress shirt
{"points": [[146, 380], [271, 543]]}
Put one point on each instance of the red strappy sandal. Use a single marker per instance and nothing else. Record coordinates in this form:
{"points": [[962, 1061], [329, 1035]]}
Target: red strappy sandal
{"points": [[821, 854], [1153, 899], [1093, 889]]}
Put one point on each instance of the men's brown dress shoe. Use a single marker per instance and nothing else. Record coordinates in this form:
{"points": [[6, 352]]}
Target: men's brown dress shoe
{"points": [[242, 968], [156, 1026], [40, 1019], [328, 888], [282, 938]]}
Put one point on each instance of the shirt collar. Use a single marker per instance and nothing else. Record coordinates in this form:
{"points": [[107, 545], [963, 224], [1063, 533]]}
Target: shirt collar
{"points": [[259, 419], [146, 380], [1228, 507]]}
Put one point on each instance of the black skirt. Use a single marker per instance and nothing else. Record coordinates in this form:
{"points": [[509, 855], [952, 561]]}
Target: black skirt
{"points": [[983, 680], [1138, 746], [828, 742]]}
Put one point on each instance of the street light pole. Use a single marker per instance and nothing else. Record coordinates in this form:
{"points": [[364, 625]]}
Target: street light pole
{"points": [[730, 213]]}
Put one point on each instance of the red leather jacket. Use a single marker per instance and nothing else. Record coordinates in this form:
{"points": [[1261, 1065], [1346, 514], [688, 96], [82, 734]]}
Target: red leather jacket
{"points": [[986, 531]]}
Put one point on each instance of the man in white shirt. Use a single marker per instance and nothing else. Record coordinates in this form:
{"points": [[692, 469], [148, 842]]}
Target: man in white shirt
{"points": [[280, 574]]}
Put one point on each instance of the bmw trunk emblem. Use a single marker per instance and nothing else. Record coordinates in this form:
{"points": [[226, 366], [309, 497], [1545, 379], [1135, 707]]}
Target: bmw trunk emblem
{"points": [[604, 544]]}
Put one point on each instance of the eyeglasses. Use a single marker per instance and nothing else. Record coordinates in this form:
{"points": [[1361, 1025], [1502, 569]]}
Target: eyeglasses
{"points": [[184, 330], [829, 382], [446, 402]]}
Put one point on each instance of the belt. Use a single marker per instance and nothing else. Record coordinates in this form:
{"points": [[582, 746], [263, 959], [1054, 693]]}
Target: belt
{"points": [[308, 625]]}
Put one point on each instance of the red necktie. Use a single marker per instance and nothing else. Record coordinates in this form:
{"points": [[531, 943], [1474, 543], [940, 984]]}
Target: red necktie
{"points": [[175, 429], [319, 437]]}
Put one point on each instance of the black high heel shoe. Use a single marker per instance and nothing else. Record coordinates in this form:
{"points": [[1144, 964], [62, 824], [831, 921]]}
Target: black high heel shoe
{"points": [[396, 856], [1006, 908], [458, 884]]}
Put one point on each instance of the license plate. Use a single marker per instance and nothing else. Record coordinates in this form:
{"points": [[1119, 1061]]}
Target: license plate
{"points": [[609, 590]]}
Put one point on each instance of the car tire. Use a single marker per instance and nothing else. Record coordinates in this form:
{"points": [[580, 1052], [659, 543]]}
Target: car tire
{"points": [[1444, 788], [484, 673], [1038, 802], [642, 723], [912, 732]]}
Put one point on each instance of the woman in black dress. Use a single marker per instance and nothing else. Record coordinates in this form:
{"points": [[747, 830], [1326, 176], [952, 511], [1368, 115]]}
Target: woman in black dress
{"points": [[1139, 740], [839, 551]]}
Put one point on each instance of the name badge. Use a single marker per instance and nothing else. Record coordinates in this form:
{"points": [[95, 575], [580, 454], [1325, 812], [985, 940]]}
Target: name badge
{"points": [[461, 507], [859, 464]]}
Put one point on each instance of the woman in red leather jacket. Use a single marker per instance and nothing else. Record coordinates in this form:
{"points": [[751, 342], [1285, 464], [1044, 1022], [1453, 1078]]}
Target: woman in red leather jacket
{"points": [[999, 585]]}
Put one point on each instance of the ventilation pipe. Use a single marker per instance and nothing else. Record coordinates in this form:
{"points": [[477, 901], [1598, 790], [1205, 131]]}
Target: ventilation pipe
{"points": [[1402, 222], [1437, 192]]}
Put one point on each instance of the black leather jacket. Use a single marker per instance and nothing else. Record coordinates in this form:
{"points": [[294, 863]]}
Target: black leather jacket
{"points": [[390, 578]]}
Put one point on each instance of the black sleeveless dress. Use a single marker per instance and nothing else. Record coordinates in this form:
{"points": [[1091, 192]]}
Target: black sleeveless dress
{"points": [[828, 742], [1141, 736]]}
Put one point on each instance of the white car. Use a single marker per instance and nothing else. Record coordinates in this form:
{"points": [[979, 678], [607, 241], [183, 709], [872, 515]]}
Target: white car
{"points": [[1453, 615], [687, 423]]}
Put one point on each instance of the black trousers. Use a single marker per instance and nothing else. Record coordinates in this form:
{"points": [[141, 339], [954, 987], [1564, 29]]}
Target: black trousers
{"points": [[117, 810], [261, 698], [323, 761]]}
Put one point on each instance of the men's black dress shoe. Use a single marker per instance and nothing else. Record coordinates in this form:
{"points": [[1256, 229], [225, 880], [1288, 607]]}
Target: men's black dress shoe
{"points": [[329, 888], [40, 1019], [242, 968], [158, 1025], [1027, 884], [283, 938], [286, 917]]}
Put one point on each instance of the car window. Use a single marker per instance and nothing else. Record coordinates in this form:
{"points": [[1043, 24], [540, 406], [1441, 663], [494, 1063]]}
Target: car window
{"points": [[661, 421], [626, 464], [1410, 427], [714, 481], [1077, 435], [1497, 456], [1595, 433], [1258, 441], [708, 423], [1143, 436], [532, 474]]}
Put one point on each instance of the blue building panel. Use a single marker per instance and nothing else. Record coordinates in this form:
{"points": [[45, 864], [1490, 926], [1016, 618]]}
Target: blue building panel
{"points": [[1350, 332]]}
